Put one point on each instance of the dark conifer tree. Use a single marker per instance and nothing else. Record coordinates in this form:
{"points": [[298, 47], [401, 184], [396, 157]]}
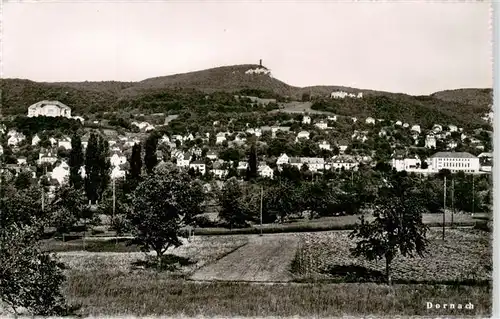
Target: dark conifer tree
{"points": [[91, 168], [150, 159], [252, 163], [104, 166], [75, 162], [134, 173]]}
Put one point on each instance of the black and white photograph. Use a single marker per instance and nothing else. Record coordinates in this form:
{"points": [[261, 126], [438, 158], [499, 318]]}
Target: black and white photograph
{"points": [[233, 159]]}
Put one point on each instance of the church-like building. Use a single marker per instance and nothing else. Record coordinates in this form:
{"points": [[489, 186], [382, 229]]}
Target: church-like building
{"points": [[49, 108]]}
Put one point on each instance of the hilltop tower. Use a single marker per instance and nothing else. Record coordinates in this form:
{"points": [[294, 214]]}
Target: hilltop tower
{"points": [[260, 62]]}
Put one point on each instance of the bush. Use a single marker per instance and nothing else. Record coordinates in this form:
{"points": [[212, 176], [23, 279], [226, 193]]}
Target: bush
{"points": [[204, 221]]}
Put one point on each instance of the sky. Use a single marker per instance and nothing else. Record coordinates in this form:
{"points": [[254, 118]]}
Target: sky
{"points": [[414, 47]]}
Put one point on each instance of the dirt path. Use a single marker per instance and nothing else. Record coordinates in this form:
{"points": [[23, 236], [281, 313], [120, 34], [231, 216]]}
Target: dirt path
{"points": [[266, 258]]}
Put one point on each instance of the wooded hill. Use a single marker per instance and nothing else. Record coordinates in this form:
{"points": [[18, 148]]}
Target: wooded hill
{"points": [[189, 90]]}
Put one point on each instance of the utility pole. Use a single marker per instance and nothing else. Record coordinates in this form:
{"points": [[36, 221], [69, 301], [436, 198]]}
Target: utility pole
{"points": [[114, 208], [114, 199], [444, 204], [473, 204], [43, 188], [261, 195], [452, 200]]}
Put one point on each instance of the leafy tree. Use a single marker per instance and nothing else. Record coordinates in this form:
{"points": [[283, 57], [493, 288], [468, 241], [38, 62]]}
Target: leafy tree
{"points": [[282, 199], [318, 197], [397, 226], [75, 162], [162, 204], [24, 180], [306, 97], [68, 208], [237, 206], [30, 279]]}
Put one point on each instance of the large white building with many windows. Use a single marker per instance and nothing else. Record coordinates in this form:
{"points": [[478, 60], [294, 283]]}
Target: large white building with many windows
{"points": [[49, 108], [455, 162]]}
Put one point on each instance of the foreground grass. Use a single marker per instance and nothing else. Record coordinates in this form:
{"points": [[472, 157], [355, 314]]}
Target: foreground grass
{"points": [[147, 293]]}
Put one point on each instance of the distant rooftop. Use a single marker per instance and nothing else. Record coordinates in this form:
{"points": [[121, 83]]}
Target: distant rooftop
{"points": [[453, 155], [46, 102]]}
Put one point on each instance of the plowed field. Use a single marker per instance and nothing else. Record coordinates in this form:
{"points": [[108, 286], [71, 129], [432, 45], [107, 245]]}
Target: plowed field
{"points": [[266, 258]]}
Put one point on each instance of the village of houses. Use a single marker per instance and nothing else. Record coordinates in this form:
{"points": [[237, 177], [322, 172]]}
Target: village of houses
{"points": [[120, 144]]}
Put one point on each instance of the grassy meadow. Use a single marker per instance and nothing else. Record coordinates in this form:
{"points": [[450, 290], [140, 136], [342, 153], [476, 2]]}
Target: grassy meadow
{"points": [[109, 293], [114, 284]]}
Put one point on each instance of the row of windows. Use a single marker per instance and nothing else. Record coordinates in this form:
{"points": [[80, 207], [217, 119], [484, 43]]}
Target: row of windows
{"points": [[456, 165], [453, 159], [464, 170]]}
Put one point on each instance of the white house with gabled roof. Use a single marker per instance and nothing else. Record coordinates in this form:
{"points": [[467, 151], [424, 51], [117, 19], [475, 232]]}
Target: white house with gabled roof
{"points": [[322, 125], [218, 169], [282, 159], [346, 162], [430, 141], [35, 140], [265, 171], [184, 160]]}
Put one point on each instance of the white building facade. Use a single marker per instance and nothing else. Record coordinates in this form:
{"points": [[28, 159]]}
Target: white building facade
{"points": [[455, 162], [49, 108]]}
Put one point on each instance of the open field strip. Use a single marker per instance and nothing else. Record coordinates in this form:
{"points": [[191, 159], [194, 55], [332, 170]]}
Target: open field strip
{"points": [[464, 256], [320, 224], [264, 258], [199, 252]]}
